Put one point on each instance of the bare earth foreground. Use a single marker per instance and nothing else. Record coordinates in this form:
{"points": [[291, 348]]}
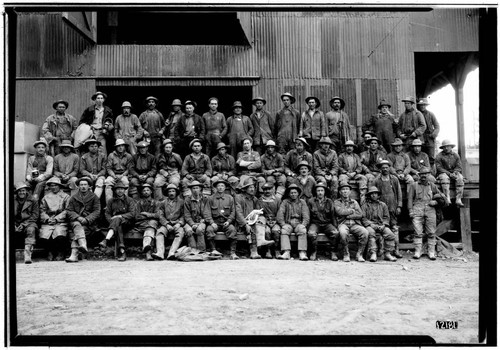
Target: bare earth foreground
{"points": [[282, 298]]}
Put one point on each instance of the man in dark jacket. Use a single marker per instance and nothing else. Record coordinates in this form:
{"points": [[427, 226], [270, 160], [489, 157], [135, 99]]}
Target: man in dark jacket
{"points": [[101, 120], [432, 130], [26, 213], [350, 168], [142, 169], [59, 126], [196, 166], [189, 127], [169, 166], [370, 159], [449, 166], [153, 124], [172, 222], [383, 124], [263, 125], [224, 166], [287, 124], [93, 165], [411, 123], [194, 215], [270, 204]]}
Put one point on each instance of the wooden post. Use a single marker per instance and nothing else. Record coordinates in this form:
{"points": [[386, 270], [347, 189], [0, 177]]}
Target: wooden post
{"points": [[459, 102], [465, 226]]}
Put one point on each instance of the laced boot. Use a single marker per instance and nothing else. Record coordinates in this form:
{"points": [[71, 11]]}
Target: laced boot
{"points": [[285, 255], [28, 248], [73, 258], [389, 257], [303, 255]]}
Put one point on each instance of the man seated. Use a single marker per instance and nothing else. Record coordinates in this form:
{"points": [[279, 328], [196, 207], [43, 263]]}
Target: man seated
{"points": [[26, 213], [270, 204], [400, 162], [93, 165], [273, 168], [249, 163], [172, 222], [294, 157], [326, 165], [350, 168], [196, 166], [418, 160], [142, 169], [449, 166], [364, 144], [194, 211], [370, 159], [304, 180], [169, 166], [40, 168], [67, 165], [117, 167], [224, 166]]}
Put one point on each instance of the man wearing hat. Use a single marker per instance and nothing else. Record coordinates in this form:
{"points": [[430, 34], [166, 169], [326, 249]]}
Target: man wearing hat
{"points": [[421, 202], [322, 220], [238, 127], [376, 222], [432, 130], [120, 214], [220, 215], [53, 220], [59, 126], [400, 162], [93, 165], [142, 169], [248, 163], [364, 144], [263, 125], [117, 168], [67, 165], [153, 123], [273, 168], [224, 166], [411, 123], [349, 215], [189, 127], [339, 127], [39, 169], [391, 195], [449, 166], [370, 159], [270, 204], [26, 213], [326, 165], [215, 126], [169, 165], [313, 125], [194, 215], [147, 216], [383, 124], [305, 180], [97, 116], [245, 203], [351, 168], [293, 218], [128, 128], [418, 160], [82, 213], [173, 119], [196, 166], [287, 123], [294, 157]]}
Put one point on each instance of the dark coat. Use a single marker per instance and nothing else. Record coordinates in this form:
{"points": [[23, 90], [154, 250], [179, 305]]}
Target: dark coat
{"points": [[180, 129], [30, 212], [89, 113], [87, 206]]}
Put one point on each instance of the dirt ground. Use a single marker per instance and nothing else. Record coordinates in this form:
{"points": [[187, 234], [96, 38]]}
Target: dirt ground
{"points": [[249, 297]]}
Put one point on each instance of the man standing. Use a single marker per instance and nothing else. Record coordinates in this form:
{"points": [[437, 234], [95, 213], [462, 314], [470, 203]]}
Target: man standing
{"points": [[153, 123], [238, 127], [82, 212], [169, 166], [196, 166], [93, 165], [26, 213], [189, 127], [326, 165], [215, 126], [287, 123], [293, 217], [294, 157], [313, 125], [370, 159], [432, 130], [449, 166], [270, 205], [67, 166], [173, 120], [97, 116], [273, 168], [59, 126], [418, 160], [339, 127], [263, 125], [376, 222], [128, 128], [350, 168], [194, 212], [142, 169], [349, 217], [224, 166], [117, 167], [383, 124], [411, 123], [40, 168], [400, 161]]}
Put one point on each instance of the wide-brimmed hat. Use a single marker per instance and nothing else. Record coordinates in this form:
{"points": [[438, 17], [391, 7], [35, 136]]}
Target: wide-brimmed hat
{"points": [[373, 138], [94, 96], [446, 143], [248, 182], [423, 101], [397, 142], [270, 143], [192, 142], [66, 143], [368, 132], [344, 184], [126, 104], [373, 189], [318, 102], [142, 144], [409, 99], [292, 99], [120, 142], [291, 187], [342, 102], [237, 104], [90, 141], [146, 185], [303, 140], [172, 186], [21, 185], [151, 98], [42, 142], [221, 145], [349, 143], [195, 183], [424, 170], [322, 184], [267, 185], [416, 142], [119, 184], [176, 102], [258, 99], [167, 141], [382, 162], [84, 178], [54, 180], [55, 104], [189, 102], [325, 139], [383, 102], [302, 163], [218, 181]]}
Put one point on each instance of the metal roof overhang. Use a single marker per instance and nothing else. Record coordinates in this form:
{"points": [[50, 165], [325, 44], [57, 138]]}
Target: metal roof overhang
{"points": [[178, 81]]}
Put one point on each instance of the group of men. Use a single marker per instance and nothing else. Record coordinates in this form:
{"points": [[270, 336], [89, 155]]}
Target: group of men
{"points": [[299, 184]]}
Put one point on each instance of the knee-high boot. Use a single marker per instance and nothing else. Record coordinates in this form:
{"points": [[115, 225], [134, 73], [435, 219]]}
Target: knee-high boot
{"points": [[160, 248]]}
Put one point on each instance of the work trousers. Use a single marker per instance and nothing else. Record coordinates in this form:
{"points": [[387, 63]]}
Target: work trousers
{"points": [[360, 180], [229, 231], [202, 178], [29, 233], [357, 230], [328, 229], [119, 225], [424, 221], [135, 183], [376, 235], [444, 179], [294, 228], [199, 235]]}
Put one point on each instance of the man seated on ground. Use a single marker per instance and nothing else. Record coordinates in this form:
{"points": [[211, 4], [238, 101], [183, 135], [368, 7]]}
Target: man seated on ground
{"points": [[326, 165], [220, 216], [224, 166], [293, 217], [82, 212], [196, 166], [26, 213], [349, 217], [67, 165], [40, 168], [304, 180], [147, 216], [376, 222], [294, 157], [350, 168], [400, 162], [418, 160], [120, 214], [273, 168], [169, 165], [322, 220], [370, 159], [449, 166], [249, 164], [117, 167], [93, 165], [270, 204], [194, 211], [53, 220], [142, 169], [172, 222]]}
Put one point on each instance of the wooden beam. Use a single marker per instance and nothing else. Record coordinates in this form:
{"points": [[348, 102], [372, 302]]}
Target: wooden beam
{"points": [[465, 227]]}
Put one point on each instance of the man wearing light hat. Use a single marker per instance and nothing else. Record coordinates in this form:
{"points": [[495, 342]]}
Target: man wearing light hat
{"points": [[294, 157], [194, 215], [128, 128], [97, 116], [370, 159], [169, 167], [59, 126], [449, 166], [196, 166], [400, 162], [117, 168], [287, 123], [53, 220], [224, 166], [326, 165], [153, 123], [215, 126], [411, 123], [67, 165], [173, 119], [273, 168], [432, 130], [26, 213], [351, 168], [383, 124], [339, 126], [239, 126], [313, 124], [142, 169], [189, 127], [39, 169], [93, 165], [418, 160], [263, 125]]}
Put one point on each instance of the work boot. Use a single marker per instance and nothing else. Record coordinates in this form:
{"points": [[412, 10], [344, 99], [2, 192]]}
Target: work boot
{"points": [[313, 256], [233, 255], [285, 255], [253, 252], [268, 254], [146, 244], [59, 256], [373, 256], [28, 248], [459, 195], [418, 251], [389, 257], [73, 258], [160, 248], [334, 256], [122, 256], [173, 248], [50, 256], [211, 247], [397, 253], [347, 256], [359, 255], [303, 255], [277, 254], [446, 191], [103, 244], [149, 257], [431, 251], [260, 235], [82, 245]]}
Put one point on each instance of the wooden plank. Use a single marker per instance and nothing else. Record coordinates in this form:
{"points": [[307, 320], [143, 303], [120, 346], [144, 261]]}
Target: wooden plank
{"points": [[465, 227]]}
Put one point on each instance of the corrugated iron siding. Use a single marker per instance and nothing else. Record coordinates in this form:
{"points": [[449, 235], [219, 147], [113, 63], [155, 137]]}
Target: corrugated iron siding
{"points": [[177, 82], [47, 46]]}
